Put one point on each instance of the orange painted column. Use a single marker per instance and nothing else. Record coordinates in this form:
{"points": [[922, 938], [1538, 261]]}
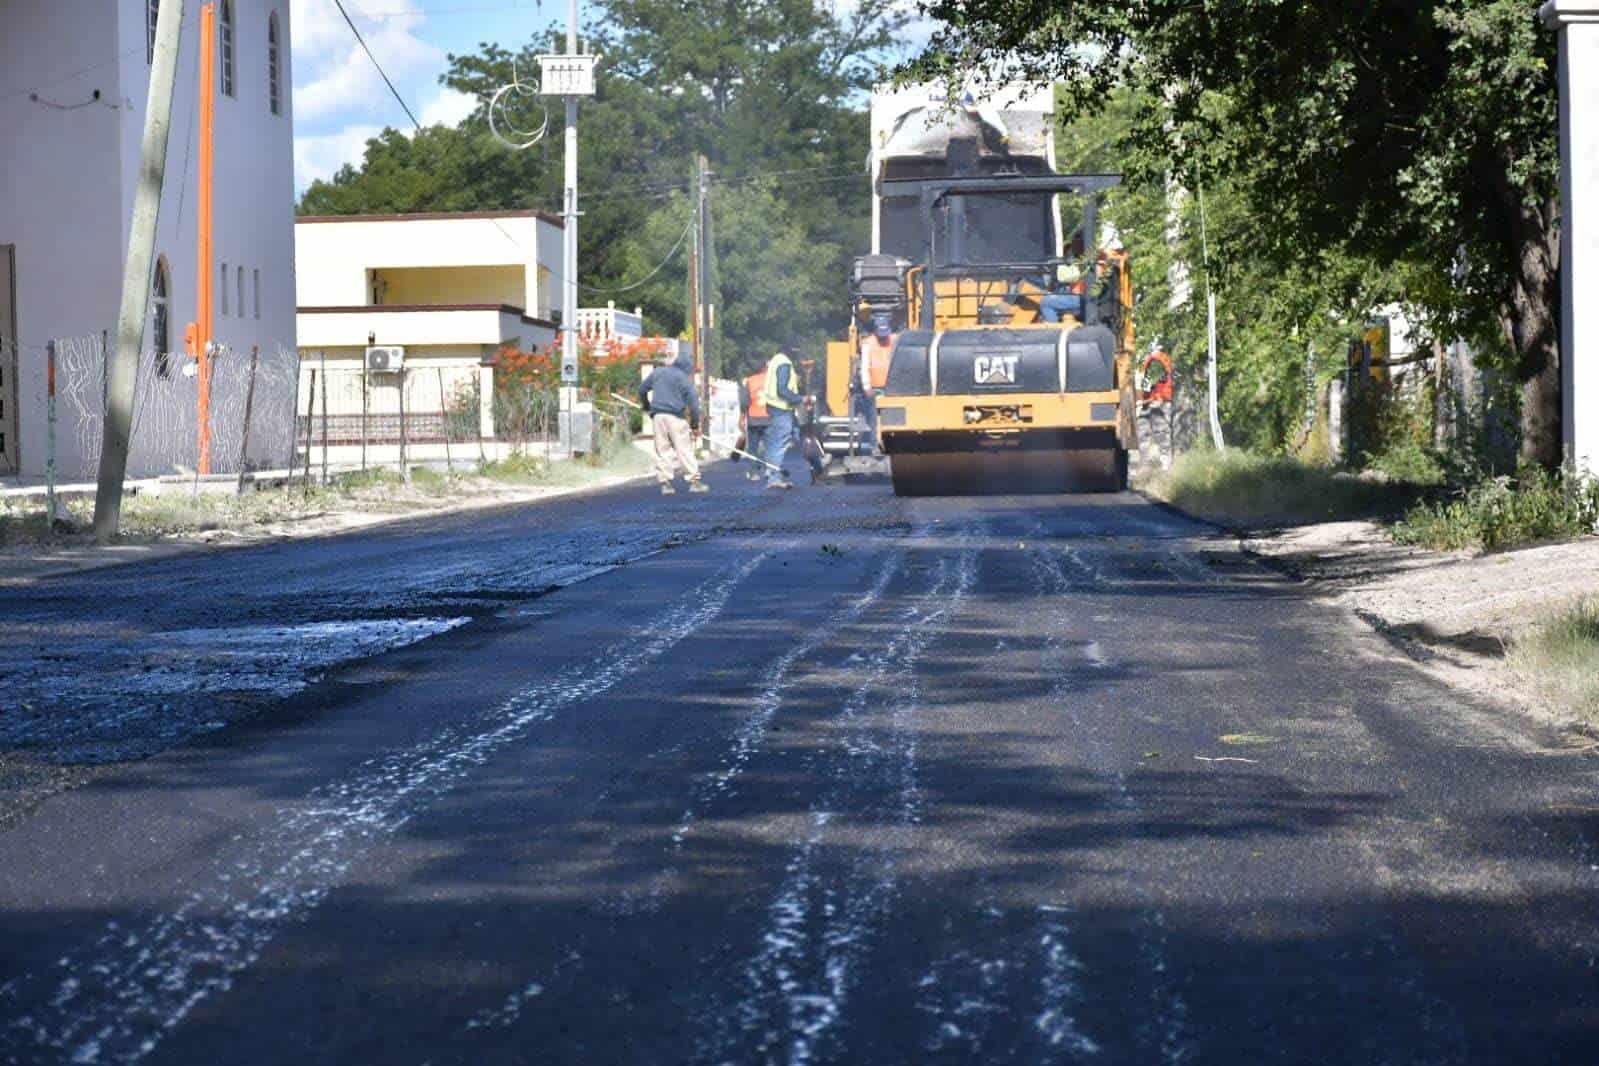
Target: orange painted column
{"points": [[202, 332]]}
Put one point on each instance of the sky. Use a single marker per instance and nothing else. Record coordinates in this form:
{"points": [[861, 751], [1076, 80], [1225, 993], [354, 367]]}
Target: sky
{"points": [[340, 101]]}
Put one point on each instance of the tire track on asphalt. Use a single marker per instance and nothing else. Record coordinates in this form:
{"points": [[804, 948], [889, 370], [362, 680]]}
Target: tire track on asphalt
{"points": [[774, 686], [798, 982], [115, 999], [1165, 1035]]}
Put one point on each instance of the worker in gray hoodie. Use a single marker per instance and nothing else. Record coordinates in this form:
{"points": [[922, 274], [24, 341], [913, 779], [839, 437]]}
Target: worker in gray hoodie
{"points": [[668, 396]]}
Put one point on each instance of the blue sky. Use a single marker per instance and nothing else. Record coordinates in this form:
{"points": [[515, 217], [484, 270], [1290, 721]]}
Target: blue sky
{"points": [[339, 99]]}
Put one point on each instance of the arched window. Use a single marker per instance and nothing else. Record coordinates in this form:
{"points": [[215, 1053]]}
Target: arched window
{"points": [[225, 32], [274, 67], [161, 317], [152, 10]]}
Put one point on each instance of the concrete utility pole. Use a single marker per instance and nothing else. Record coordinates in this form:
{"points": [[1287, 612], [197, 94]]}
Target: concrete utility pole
{"points": [[568, 397], [1577, 23], [122, 373]]}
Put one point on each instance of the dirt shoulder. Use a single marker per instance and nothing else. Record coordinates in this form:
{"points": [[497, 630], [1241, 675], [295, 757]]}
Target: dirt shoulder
{"points": [[1456, 613], [165, 527]]}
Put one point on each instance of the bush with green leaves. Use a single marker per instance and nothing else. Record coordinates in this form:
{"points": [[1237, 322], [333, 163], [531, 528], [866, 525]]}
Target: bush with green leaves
{"points": [[1506, 512]]}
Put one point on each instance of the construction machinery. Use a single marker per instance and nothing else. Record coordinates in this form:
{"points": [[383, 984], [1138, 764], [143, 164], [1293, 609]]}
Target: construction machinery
{"points": [[1011, 367]]}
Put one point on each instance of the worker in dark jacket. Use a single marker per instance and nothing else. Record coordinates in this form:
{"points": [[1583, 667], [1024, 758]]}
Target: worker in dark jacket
{"points": [[674, 408], [780, 393]]}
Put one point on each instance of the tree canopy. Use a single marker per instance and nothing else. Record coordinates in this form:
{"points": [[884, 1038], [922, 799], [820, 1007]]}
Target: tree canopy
{"points": [[771, 91], [1418, 136]]}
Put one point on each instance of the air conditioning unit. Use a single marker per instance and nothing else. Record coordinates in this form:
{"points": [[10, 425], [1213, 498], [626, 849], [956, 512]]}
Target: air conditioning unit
{"points": [[385, 360]]}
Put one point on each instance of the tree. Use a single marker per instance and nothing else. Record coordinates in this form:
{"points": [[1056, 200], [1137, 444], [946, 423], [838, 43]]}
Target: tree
{"points": [[1416, 134], [769, 90]]}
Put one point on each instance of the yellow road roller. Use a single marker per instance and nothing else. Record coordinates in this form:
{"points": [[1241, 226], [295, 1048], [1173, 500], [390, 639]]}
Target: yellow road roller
{"points": [[1017, 376]]}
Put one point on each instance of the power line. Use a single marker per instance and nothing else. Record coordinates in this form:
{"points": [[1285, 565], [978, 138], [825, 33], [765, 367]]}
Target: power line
{"points": [[658, 268], [400, 99], [381, 72]]}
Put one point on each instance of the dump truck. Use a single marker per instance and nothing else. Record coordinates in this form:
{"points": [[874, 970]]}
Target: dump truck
{"points": [[1012, 359]]}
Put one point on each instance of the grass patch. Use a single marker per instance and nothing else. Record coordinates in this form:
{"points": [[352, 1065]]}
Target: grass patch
{"points": [[1561, 656], [1242, 488], [517, 469], [1533, 507], [430, 482]]}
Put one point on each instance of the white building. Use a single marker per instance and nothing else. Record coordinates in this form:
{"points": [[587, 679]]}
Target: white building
{"points": [[74, 78], [451, 289]]}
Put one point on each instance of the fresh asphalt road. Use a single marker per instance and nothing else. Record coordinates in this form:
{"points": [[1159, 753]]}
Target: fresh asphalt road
{"points": [[818, 777]]}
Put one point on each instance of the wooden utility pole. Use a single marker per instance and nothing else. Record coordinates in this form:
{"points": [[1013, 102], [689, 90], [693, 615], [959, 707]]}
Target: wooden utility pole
{"points": [[122, 375], [694, 332], [707, 298]]}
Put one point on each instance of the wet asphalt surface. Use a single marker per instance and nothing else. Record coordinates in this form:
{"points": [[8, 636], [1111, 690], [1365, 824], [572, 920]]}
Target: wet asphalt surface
{"points": [[823, 777]]}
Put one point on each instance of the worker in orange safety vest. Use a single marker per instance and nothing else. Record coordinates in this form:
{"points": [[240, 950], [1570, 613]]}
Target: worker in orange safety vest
{"points": [[877, 348], [756, 417]]}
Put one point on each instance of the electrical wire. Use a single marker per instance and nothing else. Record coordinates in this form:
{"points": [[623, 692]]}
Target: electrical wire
{"points": [[658, 268], [381, 72], [400, 99]]}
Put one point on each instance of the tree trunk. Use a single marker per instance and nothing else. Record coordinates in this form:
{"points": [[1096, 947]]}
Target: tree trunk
{"points": [[1532, 326]]}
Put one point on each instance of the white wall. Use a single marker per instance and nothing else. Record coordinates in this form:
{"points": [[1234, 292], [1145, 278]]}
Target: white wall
{"points": [[70, 185], [335, 255], [59, 183]]}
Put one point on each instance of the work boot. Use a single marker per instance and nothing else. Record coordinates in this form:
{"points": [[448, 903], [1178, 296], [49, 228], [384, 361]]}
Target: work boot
{"points": [[667, 489], [779, 484], [698, 486]]}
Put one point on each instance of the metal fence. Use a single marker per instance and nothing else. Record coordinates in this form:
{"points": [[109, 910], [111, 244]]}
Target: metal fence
{"points": [[344, 407], [254, 388]]}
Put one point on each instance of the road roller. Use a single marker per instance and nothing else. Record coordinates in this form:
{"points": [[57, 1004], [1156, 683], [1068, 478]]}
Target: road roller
{"points": [[990, 346], [1018, 376]]}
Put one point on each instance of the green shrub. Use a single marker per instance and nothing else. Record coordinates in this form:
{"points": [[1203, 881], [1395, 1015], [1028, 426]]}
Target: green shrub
{"points": [[1411, 463], [426, 479], [517, 467], [1505, 512]]}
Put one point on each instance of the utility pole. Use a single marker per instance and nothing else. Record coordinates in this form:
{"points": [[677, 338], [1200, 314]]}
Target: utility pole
{"points": [[569, 76], [695, 334], [122, 374], [707, 296]]}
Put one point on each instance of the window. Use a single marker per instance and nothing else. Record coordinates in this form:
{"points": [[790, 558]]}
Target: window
{"points": [[240, 304], [225, 32], [224, 290], [274, 67], [152, 9], [256, 278], [161, 317]]}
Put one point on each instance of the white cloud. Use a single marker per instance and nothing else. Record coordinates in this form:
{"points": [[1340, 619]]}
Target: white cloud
{"points": [[320, 156], [340, 100], [449, 108], [346, 79]]}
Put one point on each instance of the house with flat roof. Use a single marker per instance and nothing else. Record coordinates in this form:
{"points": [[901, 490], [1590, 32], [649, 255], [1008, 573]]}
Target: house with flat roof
{"points": [[76, 79], [449, 290]]}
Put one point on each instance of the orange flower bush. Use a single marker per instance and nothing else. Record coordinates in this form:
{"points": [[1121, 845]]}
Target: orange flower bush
{"points": [[525, 383]]}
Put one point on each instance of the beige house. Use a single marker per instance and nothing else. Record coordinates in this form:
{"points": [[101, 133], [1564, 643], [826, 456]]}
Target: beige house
{"points": [[449, 290]]}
